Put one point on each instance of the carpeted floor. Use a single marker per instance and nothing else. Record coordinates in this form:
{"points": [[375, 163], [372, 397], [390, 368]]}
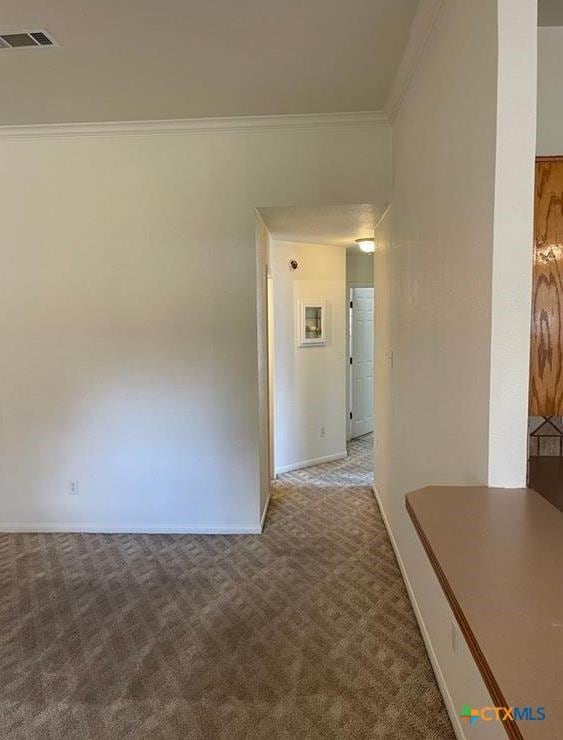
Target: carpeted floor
{"points": [[303, 632]]}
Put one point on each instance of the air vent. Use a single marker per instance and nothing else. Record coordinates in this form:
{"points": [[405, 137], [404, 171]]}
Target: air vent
{"points": [[26, 39]]}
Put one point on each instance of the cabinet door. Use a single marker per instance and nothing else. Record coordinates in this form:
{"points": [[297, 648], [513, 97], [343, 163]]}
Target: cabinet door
{"points": [[546, 366]]}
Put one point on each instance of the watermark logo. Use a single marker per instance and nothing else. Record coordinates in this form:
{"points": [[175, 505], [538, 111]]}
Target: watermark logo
{"points": [[501, 714], [469, 714]]}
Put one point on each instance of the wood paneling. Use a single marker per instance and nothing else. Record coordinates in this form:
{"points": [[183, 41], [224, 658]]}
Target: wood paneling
{"points": [[546, 365]]}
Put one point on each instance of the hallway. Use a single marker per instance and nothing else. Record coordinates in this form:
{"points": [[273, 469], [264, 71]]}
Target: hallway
{"points": [[305, 631], [369, 661]]}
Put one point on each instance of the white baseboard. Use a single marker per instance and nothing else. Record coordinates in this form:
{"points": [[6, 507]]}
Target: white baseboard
{"points": [[448, 701], [264, 513], [7, 528], [310, 463]]}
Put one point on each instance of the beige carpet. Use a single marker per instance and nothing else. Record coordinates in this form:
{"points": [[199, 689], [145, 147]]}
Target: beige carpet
{"points": [[303, 632]]}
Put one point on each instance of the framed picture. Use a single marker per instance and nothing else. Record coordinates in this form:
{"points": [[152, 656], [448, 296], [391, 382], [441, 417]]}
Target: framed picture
{"points": [[312, 324]]}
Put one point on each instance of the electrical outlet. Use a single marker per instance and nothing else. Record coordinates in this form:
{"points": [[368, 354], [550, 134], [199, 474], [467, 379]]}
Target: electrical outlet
{"points": [[454, 633], [323, 432], [73, 488]]}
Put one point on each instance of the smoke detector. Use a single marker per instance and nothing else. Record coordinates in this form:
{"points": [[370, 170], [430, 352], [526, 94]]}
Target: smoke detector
{"points": [[27, 40]]}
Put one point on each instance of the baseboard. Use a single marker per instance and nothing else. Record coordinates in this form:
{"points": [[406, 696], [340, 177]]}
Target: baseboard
{"points": [[264, 513], [310, 463], [448, 701], [121, 529]]}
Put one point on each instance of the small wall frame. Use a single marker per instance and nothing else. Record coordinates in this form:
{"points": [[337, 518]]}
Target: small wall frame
{"points": [[312, 324]]}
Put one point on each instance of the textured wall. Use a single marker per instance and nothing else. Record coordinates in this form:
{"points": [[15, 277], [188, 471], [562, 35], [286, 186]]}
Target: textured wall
{"points": [[359, 269], [452, 286], [550, 91], [128, 318], [310, 382]]}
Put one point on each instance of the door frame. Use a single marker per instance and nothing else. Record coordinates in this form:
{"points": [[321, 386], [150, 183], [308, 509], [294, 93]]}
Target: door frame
{"points": [[349, 401]]}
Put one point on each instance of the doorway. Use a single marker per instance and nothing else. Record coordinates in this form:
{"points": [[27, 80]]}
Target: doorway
{"points": [[311, 263], [361, 336]]}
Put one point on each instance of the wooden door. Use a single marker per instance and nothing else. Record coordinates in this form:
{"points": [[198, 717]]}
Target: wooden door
{"points": [[546, 362]]}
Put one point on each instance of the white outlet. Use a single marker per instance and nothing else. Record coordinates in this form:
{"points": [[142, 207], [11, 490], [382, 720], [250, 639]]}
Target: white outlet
{"points": [[454, 633], [73, 488], [323, 432]]}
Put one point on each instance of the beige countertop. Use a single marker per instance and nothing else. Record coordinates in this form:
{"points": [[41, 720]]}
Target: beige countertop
{"points": [[498, 554]]}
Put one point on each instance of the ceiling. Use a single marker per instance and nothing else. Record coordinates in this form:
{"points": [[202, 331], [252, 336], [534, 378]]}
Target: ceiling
{"points": [[125, 60], [550, 12], [332, 225]]}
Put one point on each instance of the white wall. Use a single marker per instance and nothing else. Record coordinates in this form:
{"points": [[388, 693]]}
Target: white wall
{"points": [[128, 317], [512, 243], [550, 91], [359, 270], [453, 288], [264, 375], [310, 382]]}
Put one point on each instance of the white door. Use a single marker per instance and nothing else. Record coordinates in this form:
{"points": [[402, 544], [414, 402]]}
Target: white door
{"points": [[361, 377]]}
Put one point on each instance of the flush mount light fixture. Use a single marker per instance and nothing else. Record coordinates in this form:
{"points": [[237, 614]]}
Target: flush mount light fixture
{"points": [[366, 245]]}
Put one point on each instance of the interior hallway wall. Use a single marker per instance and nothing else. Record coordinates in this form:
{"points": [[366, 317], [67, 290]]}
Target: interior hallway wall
{"points": [[128, 316], [550, 91], [359, 270], [453, 289], [264, 376], [310, 382]]}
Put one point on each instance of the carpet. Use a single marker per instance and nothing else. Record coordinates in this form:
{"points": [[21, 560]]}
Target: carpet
{"points": [[303, 632]]}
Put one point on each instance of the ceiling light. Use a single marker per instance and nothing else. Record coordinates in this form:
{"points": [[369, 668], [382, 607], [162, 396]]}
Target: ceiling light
{"points": [[366, 245]]}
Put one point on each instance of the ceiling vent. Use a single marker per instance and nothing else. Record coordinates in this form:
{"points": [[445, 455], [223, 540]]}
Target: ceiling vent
{"points": [[26, 40]]}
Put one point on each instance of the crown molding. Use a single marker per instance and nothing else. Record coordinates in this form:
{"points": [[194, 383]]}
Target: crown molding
{"points": [[241, 124], [420, 32]]}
